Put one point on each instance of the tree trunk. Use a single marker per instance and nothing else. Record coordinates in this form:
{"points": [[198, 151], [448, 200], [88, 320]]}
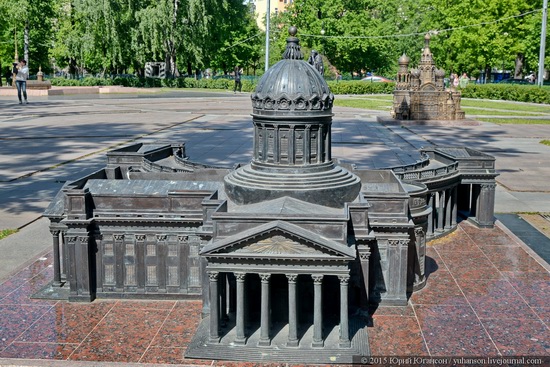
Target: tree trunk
{"points": [[72, 68], [518, 71], [26, 43]]}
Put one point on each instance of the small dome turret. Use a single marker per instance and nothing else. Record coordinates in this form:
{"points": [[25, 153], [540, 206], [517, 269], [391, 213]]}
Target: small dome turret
{"points": [[292, 87]]}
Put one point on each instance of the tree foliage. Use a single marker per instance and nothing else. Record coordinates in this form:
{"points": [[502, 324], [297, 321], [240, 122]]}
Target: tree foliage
{"points": [[120, 36], [369, 35]]}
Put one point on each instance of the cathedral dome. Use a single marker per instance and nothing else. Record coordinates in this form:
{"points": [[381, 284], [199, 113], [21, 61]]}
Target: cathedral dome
{"points": [[404, 60], [292, 87]]}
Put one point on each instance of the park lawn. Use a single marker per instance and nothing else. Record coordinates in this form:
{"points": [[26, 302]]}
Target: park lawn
{"points": [[518, 121], [470, 106], [499, 112], [6, 232], [385, 97], [368, 104], [513, 106]]}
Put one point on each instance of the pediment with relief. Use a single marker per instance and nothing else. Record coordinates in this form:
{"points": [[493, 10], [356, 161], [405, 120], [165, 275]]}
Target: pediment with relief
{"points": [[278, 239], [278, 245]]}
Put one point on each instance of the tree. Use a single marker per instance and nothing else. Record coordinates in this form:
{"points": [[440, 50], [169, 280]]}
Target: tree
{"points": [[29, 24]]}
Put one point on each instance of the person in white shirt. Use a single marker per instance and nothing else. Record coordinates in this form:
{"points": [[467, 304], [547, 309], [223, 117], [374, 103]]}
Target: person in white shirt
{"points": [[21, 80]]}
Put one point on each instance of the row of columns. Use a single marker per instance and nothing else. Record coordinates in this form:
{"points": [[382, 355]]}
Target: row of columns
{"points": [[444, 205], [59, 257], [479, 201], [217, 310], [318, 140]]}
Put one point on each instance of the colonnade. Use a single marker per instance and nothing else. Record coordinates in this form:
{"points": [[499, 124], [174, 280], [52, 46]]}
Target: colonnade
{"points": [[59, 256], [218, 307], [444, 204]]}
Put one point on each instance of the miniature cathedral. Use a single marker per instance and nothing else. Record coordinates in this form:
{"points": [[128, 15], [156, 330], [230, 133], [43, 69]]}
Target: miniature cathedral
{"points": [[286, 252], [420, 93]]}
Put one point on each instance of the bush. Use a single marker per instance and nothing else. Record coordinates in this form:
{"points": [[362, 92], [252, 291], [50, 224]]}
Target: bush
{"points": [[508, 92], [360, 87]]}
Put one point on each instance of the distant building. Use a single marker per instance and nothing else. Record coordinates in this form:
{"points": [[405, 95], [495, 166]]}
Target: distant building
{"points": [[420, 93], [275, 6]]}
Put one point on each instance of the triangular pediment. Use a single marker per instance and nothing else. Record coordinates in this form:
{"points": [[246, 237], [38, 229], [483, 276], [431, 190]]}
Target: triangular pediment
{"points": [[278, 239]]}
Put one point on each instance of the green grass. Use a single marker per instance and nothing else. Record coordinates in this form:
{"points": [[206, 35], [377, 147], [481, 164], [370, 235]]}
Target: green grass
{"points": [[545, 142], [368, 104], [474, 107], [499, 112], [385, 97], [516, 121], [484, 103], [6, 232]]}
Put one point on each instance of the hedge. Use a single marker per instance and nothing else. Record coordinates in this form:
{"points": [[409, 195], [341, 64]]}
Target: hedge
{"points": [[360, 87], [510, 92]]}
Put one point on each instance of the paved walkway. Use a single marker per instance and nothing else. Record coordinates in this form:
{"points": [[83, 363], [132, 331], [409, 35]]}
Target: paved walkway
{"points": [[487, 281]]}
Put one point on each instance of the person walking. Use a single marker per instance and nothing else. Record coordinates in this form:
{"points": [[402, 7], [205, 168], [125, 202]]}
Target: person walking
{"points": [[464, 80], [455, 81], [22, 74], [238, 84]]}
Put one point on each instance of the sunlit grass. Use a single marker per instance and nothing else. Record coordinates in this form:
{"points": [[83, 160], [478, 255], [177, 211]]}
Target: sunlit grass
{"points": [[518, 121], [545, 142], [368, 104], [513, 106], [6, 232], [499, 112]]}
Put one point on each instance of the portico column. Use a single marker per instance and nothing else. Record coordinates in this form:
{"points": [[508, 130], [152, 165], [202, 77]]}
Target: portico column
{"points": [[292, 312], [440, 211], [486, 203], [431, 215], [454, 215], [344, 327], [474, 200], [364, 257], [56, 259], [223, 298], [448, 208], [64, 255], [214, 306], [317, 311], [240, 339], [264, 317]]}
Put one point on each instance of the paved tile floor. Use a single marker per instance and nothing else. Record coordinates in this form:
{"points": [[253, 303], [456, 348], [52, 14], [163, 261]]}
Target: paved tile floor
{"points": [[485, 296]]}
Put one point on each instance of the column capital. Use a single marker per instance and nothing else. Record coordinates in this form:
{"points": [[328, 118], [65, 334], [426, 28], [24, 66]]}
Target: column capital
{"points": [[488, 186], [140, 237], [240, 277], [317, 278], [292, 277], [398, 242], [213, 275], [344, 279], [55, 232], [364, 255], [118, 237], [265, 277]]}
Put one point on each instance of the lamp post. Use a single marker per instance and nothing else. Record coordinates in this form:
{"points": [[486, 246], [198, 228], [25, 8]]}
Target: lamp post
{"points": [[16, 57], [267, 16], [322, 39], [540, 76]]}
